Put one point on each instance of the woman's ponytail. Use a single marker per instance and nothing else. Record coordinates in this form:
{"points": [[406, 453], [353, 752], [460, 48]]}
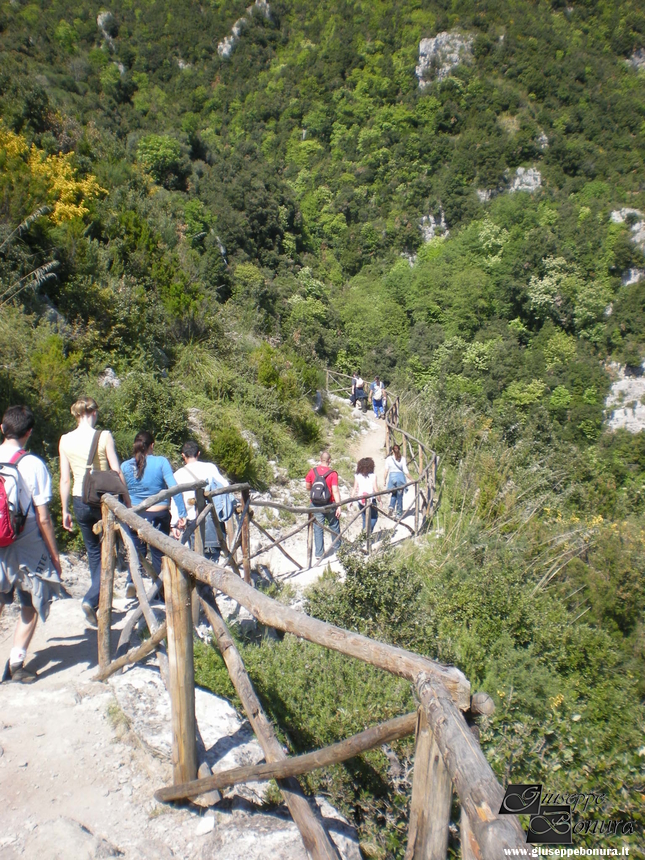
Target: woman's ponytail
{"points": [[143, 441]]}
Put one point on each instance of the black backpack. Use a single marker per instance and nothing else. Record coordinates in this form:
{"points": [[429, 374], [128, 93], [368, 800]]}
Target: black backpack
{"points": [[320, 492]]}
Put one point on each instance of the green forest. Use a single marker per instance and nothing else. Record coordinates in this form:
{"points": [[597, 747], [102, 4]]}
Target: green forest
{"points": [[210, 216]]}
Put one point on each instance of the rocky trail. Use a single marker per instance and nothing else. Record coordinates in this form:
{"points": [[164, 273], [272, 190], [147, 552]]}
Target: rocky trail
{"points": [[80, 760]]}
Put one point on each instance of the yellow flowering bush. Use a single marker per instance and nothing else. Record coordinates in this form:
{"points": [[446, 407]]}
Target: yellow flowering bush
{"points": [[50, 176]]}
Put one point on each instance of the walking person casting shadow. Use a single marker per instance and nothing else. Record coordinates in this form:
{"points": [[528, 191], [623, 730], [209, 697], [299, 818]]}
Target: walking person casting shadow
{"points": [[396, 476], [365, 484], [322, 484], [29, 562], [83, 452]]}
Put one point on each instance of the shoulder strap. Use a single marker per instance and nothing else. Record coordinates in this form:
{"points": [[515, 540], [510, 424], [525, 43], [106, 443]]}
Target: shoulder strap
{"points": [[93, 449], [17, 457]]}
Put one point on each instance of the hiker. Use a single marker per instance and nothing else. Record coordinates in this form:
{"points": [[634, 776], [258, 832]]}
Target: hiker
{"points": [[365, 484], [75, 449], [377, 396], [396, 475], [195, 469], [322, 485], [358, 397], [29, 562], [145, 475]]}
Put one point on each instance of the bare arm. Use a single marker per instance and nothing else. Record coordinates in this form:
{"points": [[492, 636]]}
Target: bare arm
{"points": [[46, 527], [110, 453], [65, 484]]}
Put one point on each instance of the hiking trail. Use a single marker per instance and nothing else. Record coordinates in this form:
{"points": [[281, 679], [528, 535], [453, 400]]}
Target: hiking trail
{"points": [[80, 760]]}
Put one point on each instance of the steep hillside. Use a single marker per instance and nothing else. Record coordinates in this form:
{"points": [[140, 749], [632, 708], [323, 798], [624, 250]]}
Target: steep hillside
{"points": [[450, 194]]}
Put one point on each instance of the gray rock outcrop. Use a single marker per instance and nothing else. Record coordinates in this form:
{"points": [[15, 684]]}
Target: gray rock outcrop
{"points": [[526, 179], [637, 60], [626, 399], [225, 47], [432, 227], [636, 221], [440, 55]]}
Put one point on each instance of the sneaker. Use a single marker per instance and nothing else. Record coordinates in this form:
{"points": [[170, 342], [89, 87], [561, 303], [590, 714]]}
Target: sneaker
{"points": [[18, 674], [90, 613], [319, 558], [130, 591]]}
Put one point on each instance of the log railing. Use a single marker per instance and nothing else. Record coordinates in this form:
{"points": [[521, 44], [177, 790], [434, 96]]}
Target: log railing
{"points": [[421, 460], [448, 758]]}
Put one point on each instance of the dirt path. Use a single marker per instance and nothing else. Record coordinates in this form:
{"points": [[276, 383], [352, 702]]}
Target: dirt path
{"points": [[80, 761]]}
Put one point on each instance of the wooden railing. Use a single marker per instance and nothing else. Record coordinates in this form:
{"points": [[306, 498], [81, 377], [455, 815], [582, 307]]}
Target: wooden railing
{"points": [[421, 460], [447, 759]]}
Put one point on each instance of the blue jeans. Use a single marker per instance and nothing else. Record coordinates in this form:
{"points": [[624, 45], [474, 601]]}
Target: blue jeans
{"points": [[86, 517], [378, 407], [394, 480], [373, 514], [161, 521], [331, 520]]}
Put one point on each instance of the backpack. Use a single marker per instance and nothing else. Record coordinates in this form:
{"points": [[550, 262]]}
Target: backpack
{"points": [[12, 519], [320, 494], [224, 503], [377, 392]]}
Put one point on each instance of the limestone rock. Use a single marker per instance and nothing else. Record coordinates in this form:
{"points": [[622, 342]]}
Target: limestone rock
{"points": [[637, 60], [225, 47], [440, 55], [431, 227], [636, 219], [229, 741], [109, 379], [626, 399], [632, 276], [526, 179]]}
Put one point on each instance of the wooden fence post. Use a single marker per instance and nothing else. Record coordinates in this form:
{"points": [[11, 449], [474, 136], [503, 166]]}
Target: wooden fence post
{"points": [[466, 838], [177, 587], [246, 541], [108, 563], [416, 507], [200, 538], [431, 799]]}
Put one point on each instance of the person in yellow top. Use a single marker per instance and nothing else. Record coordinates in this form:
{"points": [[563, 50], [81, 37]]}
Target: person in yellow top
{"points": [[74, 450]]}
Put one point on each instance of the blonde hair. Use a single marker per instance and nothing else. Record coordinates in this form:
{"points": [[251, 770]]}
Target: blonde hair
{"points": [[83, 406]]}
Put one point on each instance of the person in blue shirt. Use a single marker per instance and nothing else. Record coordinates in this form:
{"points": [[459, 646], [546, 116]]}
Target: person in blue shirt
{"points": [[145, 474]]}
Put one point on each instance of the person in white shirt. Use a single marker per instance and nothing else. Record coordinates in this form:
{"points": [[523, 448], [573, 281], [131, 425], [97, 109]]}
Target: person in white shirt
{"points": [[195, 469], [365, 484], [30, 565], [396, 476]]}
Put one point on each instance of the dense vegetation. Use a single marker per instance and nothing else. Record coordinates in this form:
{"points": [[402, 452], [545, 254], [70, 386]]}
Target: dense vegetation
{"points": [[217, 228]]}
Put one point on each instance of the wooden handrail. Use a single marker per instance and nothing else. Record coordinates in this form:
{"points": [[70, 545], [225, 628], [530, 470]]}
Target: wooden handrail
{"points": [[399, 662], [443, 692], [375, 736]]}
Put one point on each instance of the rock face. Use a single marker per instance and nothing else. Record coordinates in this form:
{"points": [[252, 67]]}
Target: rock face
{"points": [[632, 276], [637, 224], [439, 56], [626, 400], [106, 23], [109, 379], [64, 838], [526, 179], [431, 227], [637, 60], [225, 47]]}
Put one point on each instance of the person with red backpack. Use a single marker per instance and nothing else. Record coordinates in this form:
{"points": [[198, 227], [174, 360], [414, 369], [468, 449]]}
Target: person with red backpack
{"points": [[322, 484], [29, 562]]}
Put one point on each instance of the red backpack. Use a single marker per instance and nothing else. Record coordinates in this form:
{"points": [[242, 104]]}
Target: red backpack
{"points": [[12, 519]]}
